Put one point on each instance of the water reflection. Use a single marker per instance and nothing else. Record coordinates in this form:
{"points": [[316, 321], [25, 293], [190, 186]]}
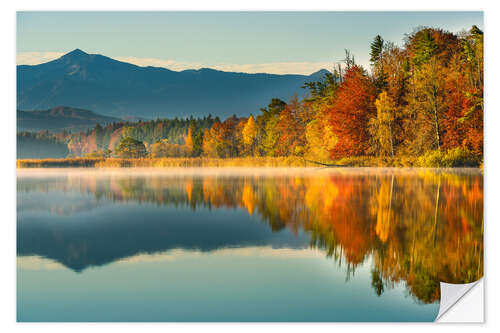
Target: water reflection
{"points": [[417, 227]]}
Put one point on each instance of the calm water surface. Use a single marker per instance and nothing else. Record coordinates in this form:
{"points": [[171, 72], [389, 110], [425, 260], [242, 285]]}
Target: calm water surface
{"points": [[244, 244]]}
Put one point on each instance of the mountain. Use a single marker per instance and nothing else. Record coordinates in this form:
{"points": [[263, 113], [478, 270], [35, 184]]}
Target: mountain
{"points": [[108, 86], [60, 118]]}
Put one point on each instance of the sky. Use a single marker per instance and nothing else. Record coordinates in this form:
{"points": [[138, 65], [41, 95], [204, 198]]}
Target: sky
{"points": [[272, 42]]}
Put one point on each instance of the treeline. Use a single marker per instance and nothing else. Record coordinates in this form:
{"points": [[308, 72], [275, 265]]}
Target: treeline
{"points": [[424, 99], [40, 145], [102, 141], [171, 132]]}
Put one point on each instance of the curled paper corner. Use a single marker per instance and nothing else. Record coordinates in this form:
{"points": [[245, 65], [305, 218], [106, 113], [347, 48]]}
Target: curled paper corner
{"points": [[451, 295]]}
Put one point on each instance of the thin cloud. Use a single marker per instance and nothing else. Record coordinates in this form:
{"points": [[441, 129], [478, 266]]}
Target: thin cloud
{"points": [[170, 64], [35, 58], [36, 262], [305, 68]]}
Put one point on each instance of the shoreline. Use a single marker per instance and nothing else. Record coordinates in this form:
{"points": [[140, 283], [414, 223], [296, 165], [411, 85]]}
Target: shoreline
{"points": [[241, 162]]}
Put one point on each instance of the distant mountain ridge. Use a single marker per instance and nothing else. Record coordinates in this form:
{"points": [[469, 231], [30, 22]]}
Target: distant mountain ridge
{"points": [[104, 85], [59, 119]]}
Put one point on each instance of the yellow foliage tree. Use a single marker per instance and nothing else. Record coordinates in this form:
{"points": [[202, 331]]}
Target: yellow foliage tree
{"points": [[189, 142], [320, 140], [384, 122], [250, 134]]}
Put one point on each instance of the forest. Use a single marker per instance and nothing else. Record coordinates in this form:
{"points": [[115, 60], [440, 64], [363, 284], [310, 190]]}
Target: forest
{"points": [[418, 104]]}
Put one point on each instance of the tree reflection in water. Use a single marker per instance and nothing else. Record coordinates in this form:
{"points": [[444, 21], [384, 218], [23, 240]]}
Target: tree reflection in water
{"points": [[418, 227]]}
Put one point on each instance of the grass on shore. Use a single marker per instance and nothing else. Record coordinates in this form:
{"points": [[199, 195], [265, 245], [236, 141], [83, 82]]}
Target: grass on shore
{"points": [[163, 162], [431, 159]]}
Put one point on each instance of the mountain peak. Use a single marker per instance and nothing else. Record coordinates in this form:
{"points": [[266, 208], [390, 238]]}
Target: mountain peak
{"points": [[76, 53], [321, 72], [105, 85]]}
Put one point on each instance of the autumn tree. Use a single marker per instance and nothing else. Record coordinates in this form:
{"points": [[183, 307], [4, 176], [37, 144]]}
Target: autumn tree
{"points": [[163, 148], [209, 141], [381, 126], [430, 51], [290, 130], [238, 136], [250, 132], [320, 139], [267, 121], [226, 139], [350, 112], [222, 139], [189, 144], [270, 137], [319, 136], [473, 106]]}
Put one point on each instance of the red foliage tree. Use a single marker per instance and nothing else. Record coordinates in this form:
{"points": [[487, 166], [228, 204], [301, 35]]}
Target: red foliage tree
{"points": [[473, 121], [291, 133], [453, 129], [349, 114]]}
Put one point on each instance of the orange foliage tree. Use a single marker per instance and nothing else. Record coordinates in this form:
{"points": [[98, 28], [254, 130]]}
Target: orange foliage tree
{"points": [[350, 112]]}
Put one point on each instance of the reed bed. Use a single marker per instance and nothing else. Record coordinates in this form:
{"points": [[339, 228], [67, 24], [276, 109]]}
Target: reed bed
{"points": [[289, 161], [163, 162]]}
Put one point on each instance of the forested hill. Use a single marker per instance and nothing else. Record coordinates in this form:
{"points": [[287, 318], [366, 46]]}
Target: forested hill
{"points": [[61, 118], [108, 86]]}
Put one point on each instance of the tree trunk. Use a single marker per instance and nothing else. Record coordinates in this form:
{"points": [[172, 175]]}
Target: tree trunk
{"points": [[437, 129], [436, 118], [390, 135], [436, 211]]}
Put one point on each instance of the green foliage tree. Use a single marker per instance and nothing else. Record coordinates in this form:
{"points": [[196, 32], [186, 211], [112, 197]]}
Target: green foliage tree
{"points": [[266, 121], [271, 136], [423, 47], [376, 58], [376, 49], [99, 154], [99, 135], [131, 148]]}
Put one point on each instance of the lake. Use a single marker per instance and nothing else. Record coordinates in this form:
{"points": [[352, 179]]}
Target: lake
{"points": [[316, 244]]}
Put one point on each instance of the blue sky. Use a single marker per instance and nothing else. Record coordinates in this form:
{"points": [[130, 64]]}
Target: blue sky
{"points": [[278, 42]]}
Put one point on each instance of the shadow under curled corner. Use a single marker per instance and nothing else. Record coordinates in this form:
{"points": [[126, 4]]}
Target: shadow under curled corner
{"points": [[454, 295]]}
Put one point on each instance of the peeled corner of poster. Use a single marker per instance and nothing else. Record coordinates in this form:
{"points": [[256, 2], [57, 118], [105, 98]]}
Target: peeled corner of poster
{"points": [[461, 302]]}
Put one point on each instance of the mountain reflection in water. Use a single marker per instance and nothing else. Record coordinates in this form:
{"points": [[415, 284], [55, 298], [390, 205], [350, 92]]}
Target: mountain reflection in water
{"points": [[417, 227]]}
